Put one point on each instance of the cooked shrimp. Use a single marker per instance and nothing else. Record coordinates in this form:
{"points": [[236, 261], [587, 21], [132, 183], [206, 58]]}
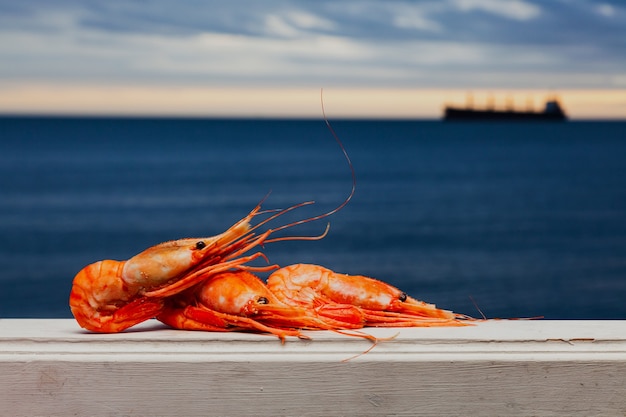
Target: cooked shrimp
{"points": [[316, 287], [110, 296], [238, 300]]}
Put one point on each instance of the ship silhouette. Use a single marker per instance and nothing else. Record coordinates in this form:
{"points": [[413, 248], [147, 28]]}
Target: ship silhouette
{"points": [[551, 112]]}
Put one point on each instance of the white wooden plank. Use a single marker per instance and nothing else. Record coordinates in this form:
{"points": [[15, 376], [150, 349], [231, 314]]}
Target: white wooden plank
{"points": [[52, 367]]}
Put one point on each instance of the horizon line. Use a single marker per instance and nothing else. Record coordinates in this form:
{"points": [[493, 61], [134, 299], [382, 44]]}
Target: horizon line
{"points": [[293, 103]]}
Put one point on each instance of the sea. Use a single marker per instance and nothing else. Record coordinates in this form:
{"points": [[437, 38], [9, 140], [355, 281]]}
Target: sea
{"points": [[505, 220]]}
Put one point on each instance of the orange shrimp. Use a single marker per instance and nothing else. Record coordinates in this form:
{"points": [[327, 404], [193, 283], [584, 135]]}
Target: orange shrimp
{"points": [[382, 305], [110, 296], [238, 300]]}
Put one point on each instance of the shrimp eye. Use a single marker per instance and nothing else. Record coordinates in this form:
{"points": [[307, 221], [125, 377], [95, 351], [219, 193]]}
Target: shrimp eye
{"points": [[403, 297], [262, 300], [200, 245]]}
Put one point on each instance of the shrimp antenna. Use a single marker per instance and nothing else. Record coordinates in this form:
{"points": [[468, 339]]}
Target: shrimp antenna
{"points": [[345, 153], [347, 199], [477, 308]]}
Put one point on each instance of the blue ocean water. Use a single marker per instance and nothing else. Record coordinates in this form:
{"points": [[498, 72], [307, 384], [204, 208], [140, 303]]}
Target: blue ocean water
{"points": [[522, 219]]}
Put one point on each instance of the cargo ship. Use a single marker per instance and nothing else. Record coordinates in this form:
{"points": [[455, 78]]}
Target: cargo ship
{"points": [[552, 112]]}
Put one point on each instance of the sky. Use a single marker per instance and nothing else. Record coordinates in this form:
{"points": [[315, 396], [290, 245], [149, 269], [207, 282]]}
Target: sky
{"points": [[387, 58]]}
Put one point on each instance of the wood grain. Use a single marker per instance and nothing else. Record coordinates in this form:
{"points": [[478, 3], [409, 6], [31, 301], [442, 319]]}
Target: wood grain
{"points": [[51, 367]]}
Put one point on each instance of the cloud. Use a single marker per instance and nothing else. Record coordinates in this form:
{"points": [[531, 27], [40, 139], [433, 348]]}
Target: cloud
{"points": [[296, 23], [605, 10], [511, 9], [394, 43]]}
